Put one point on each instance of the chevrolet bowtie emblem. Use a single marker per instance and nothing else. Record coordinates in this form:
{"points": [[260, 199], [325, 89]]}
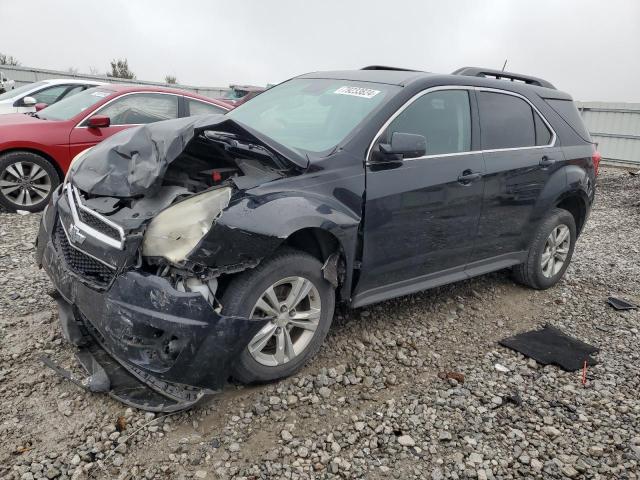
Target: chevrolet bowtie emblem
{"points": [[75, 235]]}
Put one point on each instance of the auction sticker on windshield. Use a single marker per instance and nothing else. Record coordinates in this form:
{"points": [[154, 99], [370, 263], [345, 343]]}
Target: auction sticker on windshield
{"points": [[357, 92]]}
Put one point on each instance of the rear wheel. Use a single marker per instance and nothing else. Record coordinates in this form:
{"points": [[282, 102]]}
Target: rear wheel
{"points": [[290, 290], [550, 251], [27, 181]]}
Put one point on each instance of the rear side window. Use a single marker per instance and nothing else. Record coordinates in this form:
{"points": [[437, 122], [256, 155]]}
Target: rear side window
{"points": [[201, 108], [569, 112], [543, 134], [443, 117], [505, 121]]}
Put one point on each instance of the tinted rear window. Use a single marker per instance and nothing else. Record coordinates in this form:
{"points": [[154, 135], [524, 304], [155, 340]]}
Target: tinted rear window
{"points": [[543, 134], [505, 121], [569, 112]]}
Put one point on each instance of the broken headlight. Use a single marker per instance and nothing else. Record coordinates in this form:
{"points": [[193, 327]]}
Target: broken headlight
{"points": [[177, 230]]}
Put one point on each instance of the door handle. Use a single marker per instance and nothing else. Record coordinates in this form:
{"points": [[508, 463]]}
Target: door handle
{"points": [[546, 161], [468, 176]]}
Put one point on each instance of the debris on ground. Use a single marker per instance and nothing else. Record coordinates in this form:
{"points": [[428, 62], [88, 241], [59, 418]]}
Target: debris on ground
{"points": [[121, 424], [551, 346], [457, 376], [501, 368], [621, 304]]}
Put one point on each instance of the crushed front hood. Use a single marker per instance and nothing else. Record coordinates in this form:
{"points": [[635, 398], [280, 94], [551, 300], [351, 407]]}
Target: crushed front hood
{"points": [[133, 162]]}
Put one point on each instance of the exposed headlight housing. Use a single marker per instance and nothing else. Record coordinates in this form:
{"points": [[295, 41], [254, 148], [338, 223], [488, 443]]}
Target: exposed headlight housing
{"points": [[176, 231]]}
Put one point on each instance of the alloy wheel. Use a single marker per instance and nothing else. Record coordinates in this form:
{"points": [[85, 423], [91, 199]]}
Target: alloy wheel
{"points": [[25, 183], [555, 252], [293, 306]]}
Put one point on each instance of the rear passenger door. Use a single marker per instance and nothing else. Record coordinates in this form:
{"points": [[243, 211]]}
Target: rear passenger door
{"points": [[520, 155], [421, 214]]}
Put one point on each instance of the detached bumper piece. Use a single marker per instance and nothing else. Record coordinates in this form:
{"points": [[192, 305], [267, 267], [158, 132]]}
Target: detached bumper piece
{"points": [[106, 375], [140, 340]]}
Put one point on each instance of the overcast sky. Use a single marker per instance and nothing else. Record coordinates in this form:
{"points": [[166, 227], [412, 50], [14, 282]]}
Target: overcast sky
{"points": [[589, 48]]}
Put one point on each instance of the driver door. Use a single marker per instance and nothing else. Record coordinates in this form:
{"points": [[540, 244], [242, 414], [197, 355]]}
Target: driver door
{"points": [[124, 111], [421, 214]]}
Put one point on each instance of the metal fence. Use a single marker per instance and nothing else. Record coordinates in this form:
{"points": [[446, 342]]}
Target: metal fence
{"points": [[24, 75], [616, 129]]}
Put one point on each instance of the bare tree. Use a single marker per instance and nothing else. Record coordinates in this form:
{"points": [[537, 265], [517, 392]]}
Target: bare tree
{"points": [[170, 79], [94, 71], [120, 69], [8, 60], [72, 70]]}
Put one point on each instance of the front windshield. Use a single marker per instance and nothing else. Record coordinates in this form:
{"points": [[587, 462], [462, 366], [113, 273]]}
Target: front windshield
{"points": [[69, 107], [311, 115], [20, 90]]}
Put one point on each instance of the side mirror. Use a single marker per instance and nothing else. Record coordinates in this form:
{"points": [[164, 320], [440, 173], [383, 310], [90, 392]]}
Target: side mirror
{"points": [[29, 101], [404, 145], [40, 106], [99, 121]]}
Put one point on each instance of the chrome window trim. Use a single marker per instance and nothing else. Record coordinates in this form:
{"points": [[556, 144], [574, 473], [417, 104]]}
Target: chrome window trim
{"points": [[96, 112], [470, 152], [72, 196], [82, 251]]}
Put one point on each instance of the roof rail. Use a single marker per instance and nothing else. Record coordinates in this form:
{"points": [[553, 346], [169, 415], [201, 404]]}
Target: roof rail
{"points": [[498, 74], [382, 67]]}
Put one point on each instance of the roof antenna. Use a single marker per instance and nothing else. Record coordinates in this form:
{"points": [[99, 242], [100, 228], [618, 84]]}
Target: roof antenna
{"points": [[505, 64]]}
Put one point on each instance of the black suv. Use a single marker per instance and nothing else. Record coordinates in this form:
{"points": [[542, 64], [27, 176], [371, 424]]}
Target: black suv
{"points": [[193, 249]]}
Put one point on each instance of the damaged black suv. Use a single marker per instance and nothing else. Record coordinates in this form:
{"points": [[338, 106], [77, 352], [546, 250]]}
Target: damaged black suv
{"points": [[191, 250]]}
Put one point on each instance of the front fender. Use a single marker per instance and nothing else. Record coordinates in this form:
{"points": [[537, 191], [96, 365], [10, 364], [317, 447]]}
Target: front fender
{"points": [[254, 226]]}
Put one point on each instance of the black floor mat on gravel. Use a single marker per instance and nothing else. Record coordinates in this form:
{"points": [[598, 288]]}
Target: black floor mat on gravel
{"points": [[551, 346]]}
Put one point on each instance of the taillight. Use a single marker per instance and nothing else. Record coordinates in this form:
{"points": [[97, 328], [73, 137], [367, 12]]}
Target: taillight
{"points": [[596, 157]]}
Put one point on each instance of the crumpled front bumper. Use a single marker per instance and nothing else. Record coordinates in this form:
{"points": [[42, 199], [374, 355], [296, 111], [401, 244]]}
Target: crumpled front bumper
{"points": [[172, 343]]}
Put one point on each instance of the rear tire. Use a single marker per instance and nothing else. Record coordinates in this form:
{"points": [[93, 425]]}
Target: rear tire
{"points": [[27, 181], [297, 330], [550, 251]]}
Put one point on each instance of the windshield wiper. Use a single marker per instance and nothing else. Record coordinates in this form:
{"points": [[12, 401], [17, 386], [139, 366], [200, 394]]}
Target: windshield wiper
{"points": [[234, 142]]}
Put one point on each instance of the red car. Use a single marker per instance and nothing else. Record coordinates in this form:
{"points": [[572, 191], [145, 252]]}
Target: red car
{"points": [[36, 149]]}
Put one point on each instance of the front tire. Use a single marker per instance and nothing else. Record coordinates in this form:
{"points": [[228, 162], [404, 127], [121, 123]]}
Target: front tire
{"points": [[290, 289], [550, 251], [27, 181]]}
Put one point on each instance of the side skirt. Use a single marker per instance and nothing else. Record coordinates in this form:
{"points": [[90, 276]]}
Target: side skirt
{"points": [[437, 279]]}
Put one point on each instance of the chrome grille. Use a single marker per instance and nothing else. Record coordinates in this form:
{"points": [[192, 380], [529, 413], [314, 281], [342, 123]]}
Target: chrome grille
{"points": [[80, 263], [99, 225], [92, 223]]}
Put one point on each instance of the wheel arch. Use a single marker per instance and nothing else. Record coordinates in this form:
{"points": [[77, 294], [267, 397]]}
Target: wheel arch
{"points": [[576, 205], [322, 244]]}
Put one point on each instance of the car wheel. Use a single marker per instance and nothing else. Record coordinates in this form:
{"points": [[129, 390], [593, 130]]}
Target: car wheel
{"points": [[288, 288], [27, 181], [550, 251]]}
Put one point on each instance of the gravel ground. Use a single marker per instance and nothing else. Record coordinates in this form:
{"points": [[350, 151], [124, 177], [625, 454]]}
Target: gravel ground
{"points": [[372, 404]]}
